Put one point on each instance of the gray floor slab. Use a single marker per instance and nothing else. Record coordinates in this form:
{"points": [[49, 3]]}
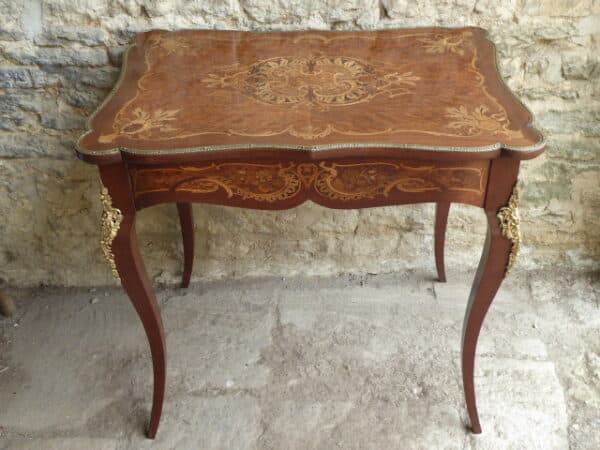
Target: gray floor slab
{"points": [[352, 362]]}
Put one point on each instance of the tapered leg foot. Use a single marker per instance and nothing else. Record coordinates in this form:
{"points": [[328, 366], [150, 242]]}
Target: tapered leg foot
{"points": [[186, 221], [441, 221]]}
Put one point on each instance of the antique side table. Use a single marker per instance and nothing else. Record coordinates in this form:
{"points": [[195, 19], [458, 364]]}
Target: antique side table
{"points": [[344, 119]]}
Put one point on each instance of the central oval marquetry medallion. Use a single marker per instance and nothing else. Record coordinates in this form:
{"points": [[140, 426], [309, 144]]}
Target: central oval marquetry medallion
{"points": [[320, 80], [316, 81]]}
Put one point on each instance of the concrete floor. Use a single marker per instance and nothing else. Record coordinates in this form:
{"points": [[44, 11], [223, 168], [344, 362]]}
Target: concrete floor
{"points": [[348, 362]]}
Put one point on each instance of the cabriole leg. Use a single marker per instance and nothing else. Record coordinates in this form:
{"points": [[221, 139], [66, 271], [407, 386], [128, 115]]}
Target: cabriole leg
{"points": [[500, 249], [186, 221], [441, 221], [120, 246]]}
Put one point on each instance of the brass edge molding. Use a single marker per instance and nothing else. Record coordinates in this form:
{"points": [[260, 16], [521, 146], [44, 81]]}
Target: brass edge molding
{"points": [[310, 148], [111, 221], [173, 151], [510, 225]]}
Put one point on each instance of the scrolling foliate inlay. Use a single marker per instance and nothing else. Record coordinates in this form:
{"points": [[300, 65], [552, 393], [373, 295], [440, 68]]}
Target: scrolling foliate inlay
{"points": [[442, 44], [309, 95], [272, 182], [317, 81], [479, 119]]}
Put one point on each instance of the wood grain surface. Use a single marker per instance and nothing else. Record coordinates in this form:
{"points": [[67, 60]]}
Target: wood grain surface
{"points": [[206, 91]]}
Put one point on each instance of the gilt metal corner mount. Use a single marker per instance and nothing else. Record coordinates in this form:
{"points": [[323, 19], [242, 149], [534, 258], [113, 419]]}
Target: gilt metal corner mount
{"points": [[111, 221], [510, 224]]}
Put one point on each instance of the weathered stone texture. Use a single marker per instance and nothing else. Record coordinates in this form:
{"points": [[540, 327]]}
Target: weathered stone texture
{"points": [[59, 58]]}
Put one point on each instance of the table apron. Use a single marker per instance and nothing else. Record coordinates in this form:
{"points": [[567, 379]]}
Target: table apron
{"points": [[282, 184]]}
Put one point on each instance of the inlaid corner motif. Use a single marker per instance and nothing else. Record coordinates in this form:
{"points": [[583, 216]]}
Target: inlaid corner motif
{"points": [[169, 44], [301, 95], [510, 223], [142, 122], [111, 221], [273, 182], [479, 119], [440, 44]]}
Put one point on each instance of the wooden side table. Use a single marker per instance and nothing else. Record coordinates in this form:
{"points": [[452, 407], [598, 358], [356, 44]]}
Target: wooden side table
{"points": [[344, 119]]}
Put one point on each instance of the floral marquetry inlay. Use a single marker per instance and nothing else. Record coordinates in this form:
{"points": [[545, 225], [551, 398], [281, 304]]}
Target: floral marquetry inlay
{"points": [[210, 90], [317, 81], [441, 44], [142, 122], [479, 119], [273, 182]]}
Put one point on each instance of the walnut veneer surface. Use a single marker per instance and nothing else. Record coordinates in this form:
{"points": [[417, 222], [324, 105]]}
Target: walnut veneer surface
{"points": [[428, 88]]}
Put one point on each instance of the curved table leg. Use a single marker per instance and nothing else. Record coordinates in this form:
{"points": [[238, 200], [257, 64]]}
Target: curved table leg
{"points": [[441, 221], [120, 246], [186, 221], [498, 253]]}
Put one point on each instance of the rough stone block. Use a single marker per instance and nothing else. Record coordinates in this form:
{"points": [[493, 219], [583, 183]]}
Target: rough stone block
{"points": [[24, 145], [64, 118], [578, 67], [8, 104], [12, 122], [101, 77], [11, 77], [11, 19], [318, 13], [218, 8], [62, 11], [573, 149], [585, 121], [590, 24], [58, 34], [88, 99], [559, 8], [56, 56]]}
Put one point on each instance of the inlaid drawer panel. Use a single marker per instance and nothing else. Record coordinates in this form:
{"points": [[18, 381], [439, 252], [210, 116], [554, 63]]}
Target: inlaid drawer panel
{"points": [[341, 184]]}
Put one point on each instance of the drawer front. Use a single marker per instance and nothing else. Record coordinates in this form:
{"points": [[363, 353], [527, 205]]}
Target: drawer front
{"points": [[336, 184]]}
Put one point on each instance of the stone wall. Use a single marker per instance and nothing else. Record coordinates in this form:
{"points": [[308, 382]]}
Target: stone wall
{"points": [[59, 58]]}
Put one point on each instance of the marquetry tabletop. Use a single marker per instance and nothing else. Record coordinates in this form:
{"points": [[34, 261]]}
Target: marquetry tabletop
{"points": [[343, 119], [197, 91]]}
